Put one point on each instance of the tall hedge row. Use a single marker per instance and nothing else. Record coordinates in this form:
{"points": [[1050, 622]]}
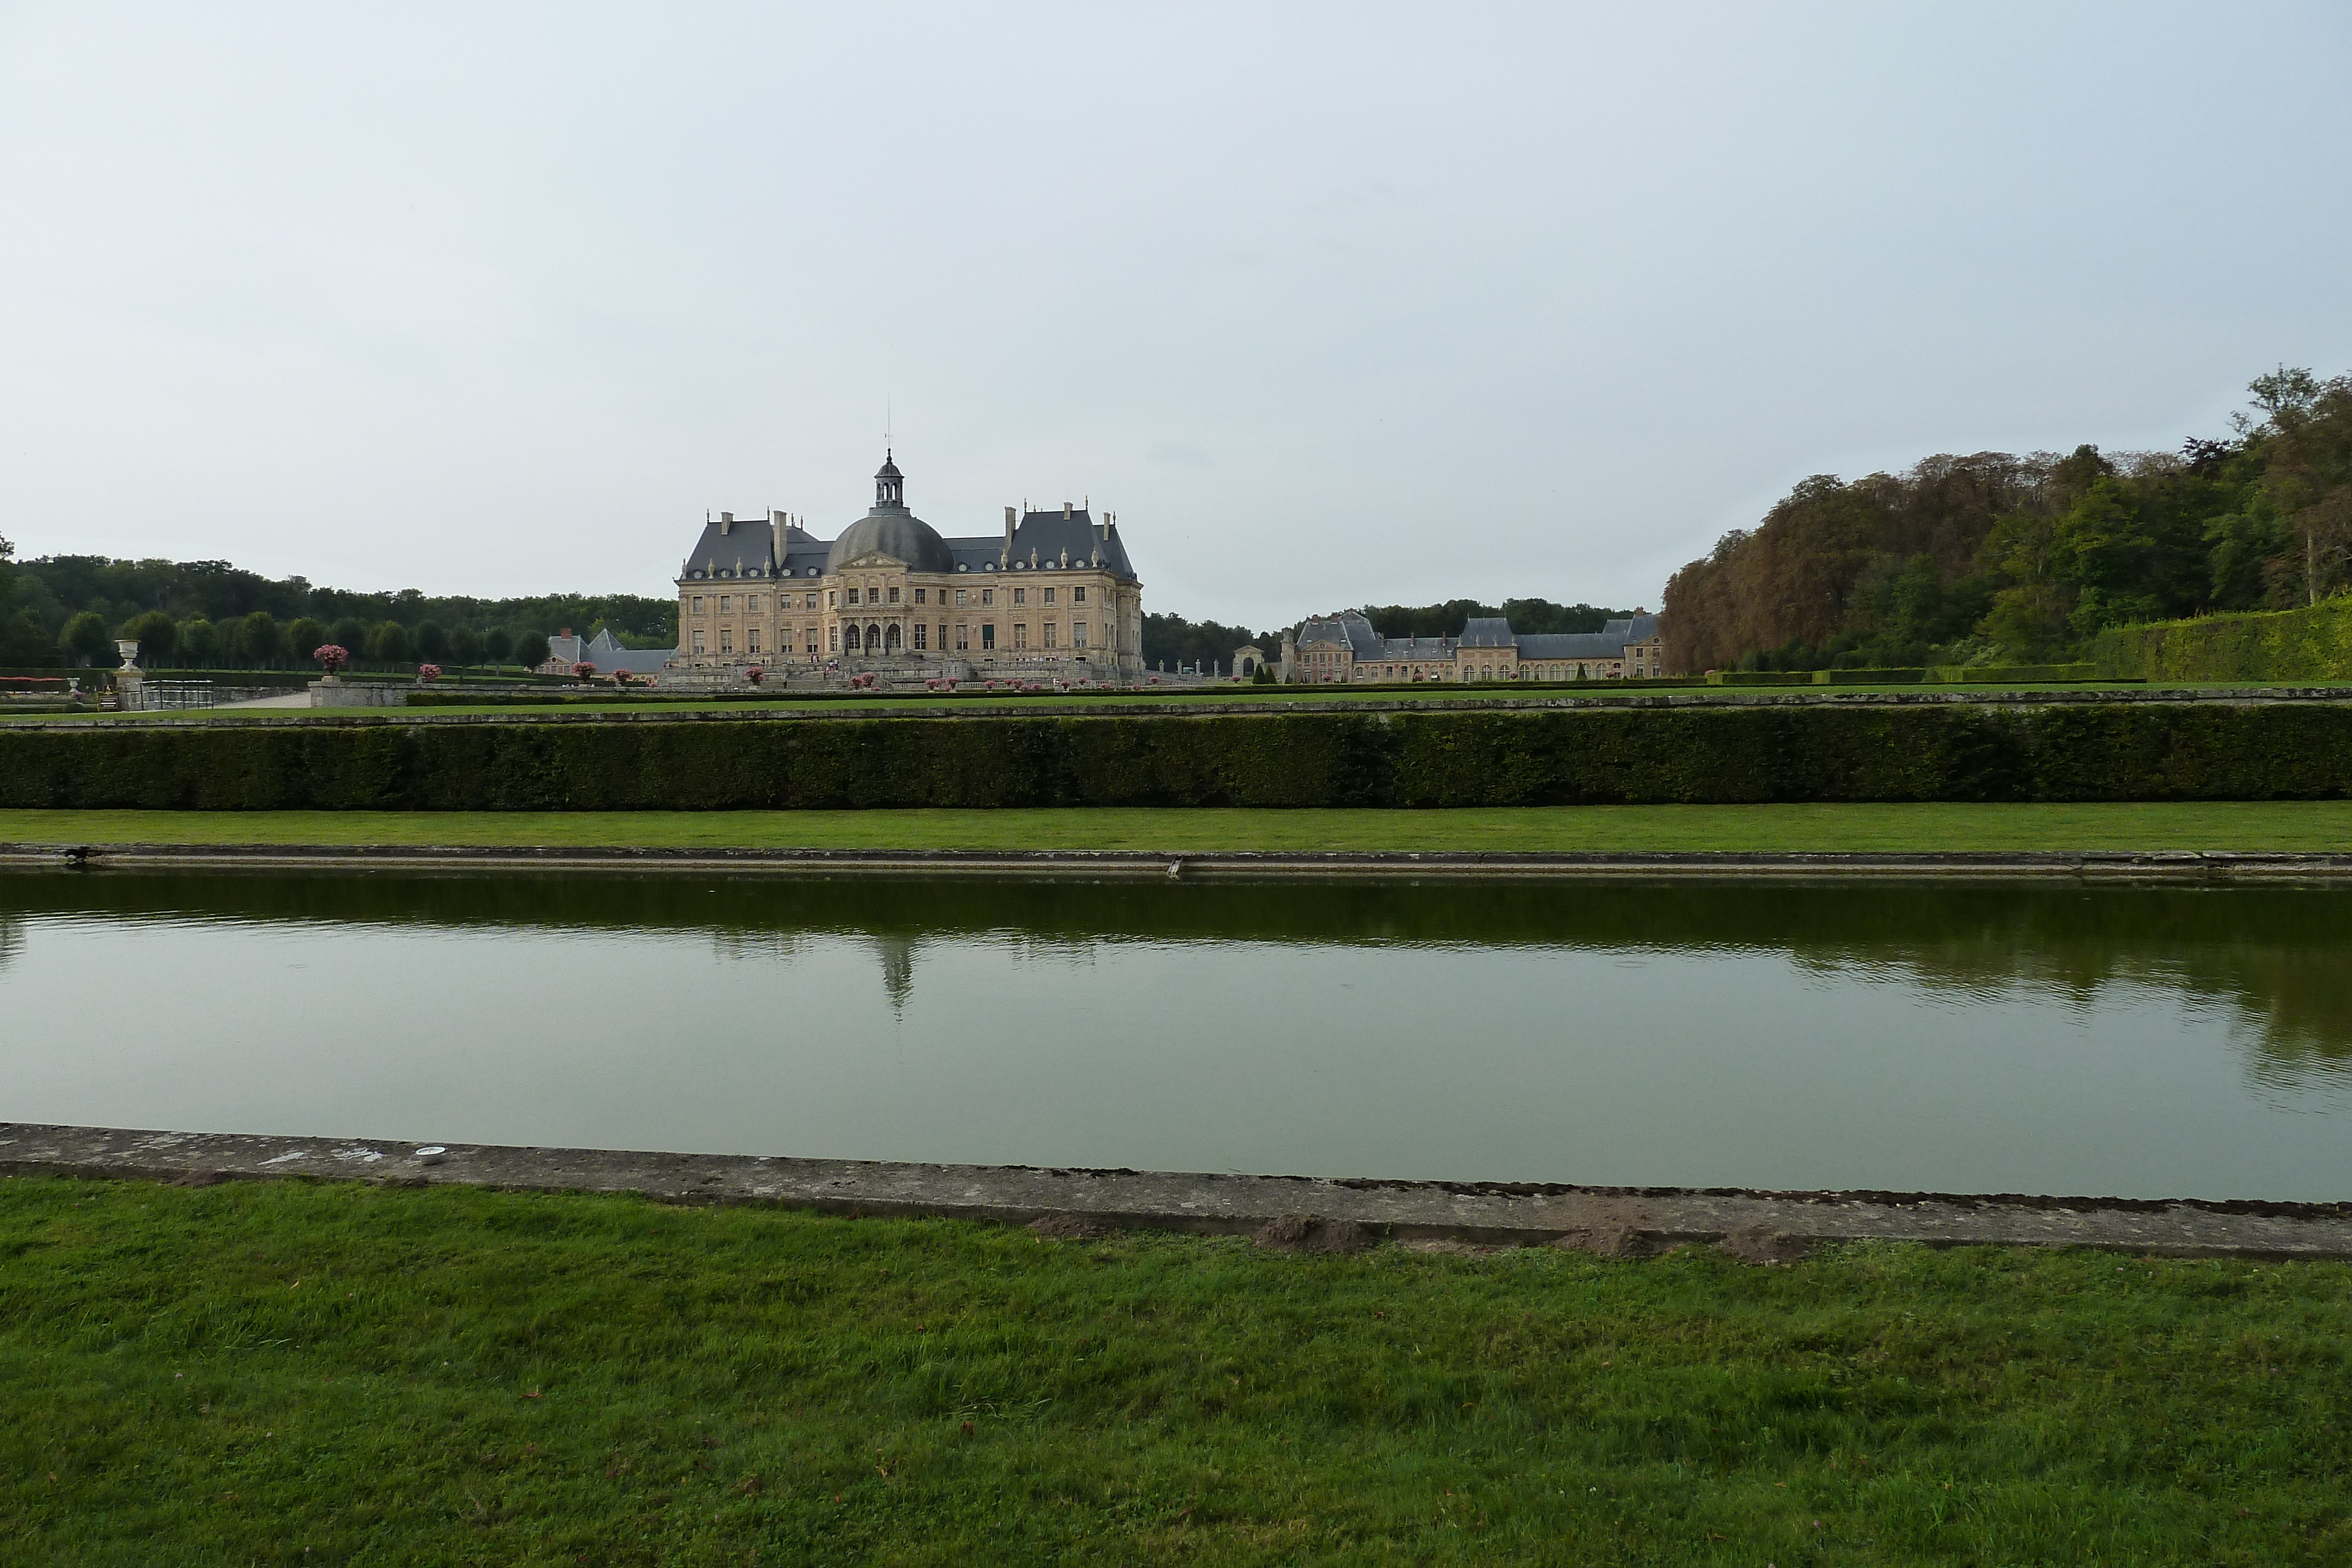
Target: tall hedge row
{"points": [[2313, 644], [1946, 752]]}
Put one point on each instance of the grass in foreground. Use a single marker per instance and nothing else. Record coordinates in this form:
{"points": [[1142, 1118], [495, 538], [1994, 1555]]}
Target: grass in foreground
{"points": [[2261, 825], [310, 1374]]}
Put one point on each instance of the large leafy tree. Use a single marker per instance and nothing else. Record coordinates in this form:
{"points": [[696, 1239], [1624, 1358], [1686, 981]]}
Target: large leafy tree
{"points": [[86, 641], [1995, 556], [157, 634]]}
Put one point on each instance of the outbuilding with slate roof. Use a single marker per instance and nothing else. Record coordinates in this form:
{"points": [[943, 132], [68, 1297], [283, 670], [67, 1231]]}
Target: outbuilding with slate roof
{"points": [[1345, 648]]}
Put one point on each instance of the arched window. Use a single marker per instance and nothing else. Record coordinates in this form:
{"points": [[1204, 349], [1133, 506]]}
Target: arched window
{"points": [[890, 639]]}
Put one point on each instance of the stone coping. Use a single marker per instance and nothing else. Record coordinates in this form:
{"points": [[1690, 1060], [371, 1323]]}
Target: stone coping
{"points": [[2167, 866], [906, 707], [1477, 1213]]}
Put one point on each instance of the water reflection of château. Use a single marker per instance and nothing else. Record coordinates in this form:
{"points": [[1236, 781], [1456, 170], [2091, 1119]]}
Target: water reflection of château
{"points": [[2273, 954]]}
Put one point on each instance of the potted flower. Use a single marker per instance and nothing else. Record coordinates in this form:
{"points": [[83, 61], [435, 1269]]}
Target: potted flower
{"points": [[583, 671], [332, 657], [755, 674], [428, 674]]}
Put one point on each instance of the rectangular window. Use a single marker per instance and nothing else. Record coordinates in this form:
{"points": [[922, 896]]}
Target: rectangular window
{"points": [[812, 604], [1049, 629], [922, 638], [697, 604], [727, 639], [752, 604], [920, 596], [1020, 596], [943, 636], [698, 640], [751, 640], [833, 638], [963, 638], [832, 599], [1020, 632], [987, 597], [1049, 596], [1078, 595], [894, 593], [809, 633], [853, 596], [723, 603], [987, 636], [960, 595], [1078, 634]]}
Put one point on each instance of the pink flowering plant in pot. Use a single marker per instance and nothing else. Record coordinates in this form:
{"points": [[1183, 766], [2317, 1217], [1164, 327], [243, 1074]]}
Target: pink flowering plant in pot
{"points": [[583, 671], [755, 674], [332, 657], [428, 674]]}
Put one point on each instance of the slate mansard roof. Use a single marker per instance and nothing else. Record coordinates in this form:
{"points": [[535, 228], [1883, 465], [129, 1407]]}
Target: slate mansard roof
{"points": [[607, 654], [1480, 631], [776, 547]]}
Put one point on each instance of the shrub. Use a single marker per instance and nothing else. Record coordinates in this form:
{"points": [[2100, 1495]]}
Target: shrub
{"points": [[2313, 644], [1959, 751], [2015, 674]]}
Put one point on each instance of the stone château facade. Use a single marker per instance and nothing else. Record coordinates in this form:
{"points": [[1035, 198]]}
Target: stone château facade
{"points": [[1346, 648], [1055, 596]]}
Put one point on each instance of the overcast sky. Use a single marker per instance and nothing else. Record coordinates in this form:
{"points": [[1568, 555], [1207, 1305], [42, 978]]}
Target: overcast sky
{"points": [[1332, 304]]}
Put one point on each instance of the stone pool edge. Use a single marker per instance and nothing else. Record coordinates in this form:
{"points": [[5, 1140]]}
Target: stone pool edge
{"points": [[1489, 1214], [2191, 865]]}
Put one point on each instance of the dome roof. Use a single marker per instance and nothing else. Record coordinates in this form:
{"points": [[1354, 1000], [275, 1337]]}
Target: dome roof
{"points": [[891, 532]]}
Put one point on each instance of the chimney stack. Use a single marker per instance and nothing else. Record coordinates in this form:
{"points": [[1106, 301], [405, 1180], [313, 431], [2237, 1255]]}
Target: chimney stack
{"points": [[726, 524]]}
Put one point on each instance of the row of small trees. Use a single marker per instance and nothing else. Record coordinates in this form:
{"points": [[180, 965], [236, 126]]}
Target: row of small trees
{"points": [[258, 642]]}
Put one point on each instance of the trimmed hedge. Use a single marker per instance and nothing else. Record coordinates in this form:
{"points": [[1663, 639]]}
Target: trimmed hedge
{"points": [[2105, 752], [1760, 677], [2313, 644], [1890, 677], [2018, 674]]}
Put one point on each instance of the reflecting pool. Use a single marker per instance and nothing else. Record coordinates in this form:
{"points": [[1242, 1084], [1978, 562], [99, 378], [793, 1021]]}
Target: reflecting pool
{"points": [[2135, 1042]]}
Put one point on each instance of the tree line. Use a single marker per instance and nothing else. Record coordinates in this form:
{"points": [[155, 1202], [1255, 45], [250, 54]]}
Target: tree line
{"points": [[2000, 558], [209, 614]]}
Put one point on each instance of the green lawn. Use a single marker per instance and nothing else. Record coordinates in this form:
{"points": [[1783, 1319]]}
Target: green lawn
{"points": [[291, 1372], [2270, 825]]}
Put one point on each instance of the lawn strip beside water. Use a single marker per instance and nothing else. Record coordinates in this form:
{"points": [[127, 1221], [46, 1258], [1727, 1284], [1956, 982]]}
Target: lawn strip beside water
{"points": [[292, 1372], [2250, 827]]}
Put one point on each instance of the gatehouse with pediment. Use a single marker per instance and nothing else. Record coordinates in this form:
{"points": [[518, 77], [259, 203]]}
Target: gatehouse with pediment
{"points": [[1054, 598]]}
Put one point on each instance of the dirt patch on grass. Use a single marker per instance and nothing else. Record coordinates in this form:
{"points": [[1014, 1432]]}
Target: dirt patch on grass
{"points": [[1312, 1233], [1064, 1228], [1619, 1228], [1762, 1244]]}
